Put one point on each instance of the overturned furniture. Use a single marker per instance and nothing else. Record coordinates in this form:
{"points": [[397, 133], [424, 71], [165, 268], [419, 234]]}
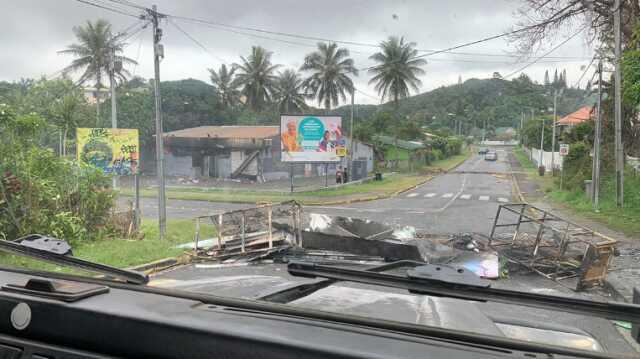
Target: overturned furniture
{"points": [[550, 245], [250, 230]]}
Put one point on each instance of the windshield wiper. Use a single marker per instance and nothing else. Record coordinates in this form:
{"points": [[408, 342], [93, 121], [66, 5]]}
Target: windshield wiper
{"points": [[420, 281], [33, 248]]}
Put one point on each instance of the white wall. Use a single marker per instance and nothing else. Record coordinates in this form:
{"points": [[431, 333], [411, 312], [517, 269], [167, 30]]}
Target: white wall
{"points": [[534, 155]]}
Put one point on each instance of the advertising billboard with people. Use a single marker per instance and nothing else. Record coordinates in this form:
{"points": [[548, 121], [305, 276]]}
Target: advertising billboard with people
{"points": [[310, 138]]}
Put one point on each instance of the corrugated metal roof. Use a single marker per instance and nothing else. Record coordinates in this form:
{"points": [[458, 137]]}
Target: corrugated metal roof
{"points": [[407, 145], [583, 114], [226, 132]]}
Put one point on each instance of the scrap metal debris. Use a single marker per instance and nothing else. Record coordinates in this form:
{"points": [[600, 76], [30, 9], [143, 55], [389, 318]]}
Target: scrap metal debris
{"points": [[551, 246]]}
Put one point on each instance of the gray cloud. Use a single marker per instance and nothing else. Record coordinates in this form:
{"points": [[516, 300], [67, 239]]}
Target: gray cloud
{"points": [[32, 31]]}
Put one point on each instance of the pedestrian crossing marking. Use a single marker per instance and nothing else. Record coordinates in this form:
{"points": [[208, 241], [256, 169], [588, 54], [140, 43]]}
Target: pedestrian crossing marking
{"points": [[503, 200], [447, 195], [483, 198], [465, 196], [412, 195], [429, 195]]}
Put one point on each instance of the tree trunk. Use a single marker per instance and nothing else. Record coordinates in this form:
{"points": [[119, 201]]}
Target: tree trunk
{"points": [[64, 141], [97, 109]]}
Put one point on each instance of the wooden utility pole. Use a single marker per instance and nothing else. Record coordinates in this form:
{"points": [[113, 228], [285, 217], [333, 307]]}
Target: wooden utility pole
{"points": [[618, 107], [595, 176]]}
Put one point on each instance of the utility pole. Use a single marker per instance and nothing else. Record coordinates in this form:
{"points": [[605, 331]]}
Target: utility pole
{"points": [[521, 127], [158, 53], [350, 168], [114, 112], [595, 176], [618, 107], [541, 144], [553, 133]]}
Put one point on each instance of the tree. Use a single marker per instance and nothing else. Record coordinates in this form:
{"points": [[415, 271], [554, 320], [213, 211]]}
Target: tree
{"points": [[556, 80], [256, 76], [289, 95], [226, 86], [97, 47], [330, 68], [541, 20], [546, 78], [397, 70]]}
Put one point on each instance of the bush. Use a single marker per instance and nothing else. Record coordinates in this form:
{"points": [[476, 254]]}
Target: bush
{"points": [[43, 193], [577, 166]]}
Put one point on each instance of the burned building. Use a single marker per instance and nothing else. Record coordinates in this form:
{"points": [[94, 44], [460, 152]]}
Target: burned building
{"points": [[221, 151]]}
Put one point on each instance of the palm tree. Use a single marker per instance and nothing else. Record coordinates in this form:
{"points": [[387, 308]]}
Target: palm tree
{"points": [[226, 85], [289, 95], [398, 69], [256, 76], [330, 67], [95, 51]]}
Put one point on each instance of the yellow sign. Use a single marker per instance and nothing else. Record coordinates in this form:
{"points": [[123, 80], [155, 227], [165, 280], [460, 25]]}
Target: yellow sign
{"points": [[341, 151], [115, 150]]}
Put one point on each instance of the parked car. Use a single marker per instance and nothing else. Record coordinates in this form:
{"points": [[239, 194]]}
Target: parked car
{"points": [[491, 156], [483, 151]]}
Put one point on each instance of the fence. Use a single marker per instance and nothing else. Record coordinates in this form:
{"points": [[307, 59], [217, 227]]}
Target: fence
{"points": [[534, 156]]}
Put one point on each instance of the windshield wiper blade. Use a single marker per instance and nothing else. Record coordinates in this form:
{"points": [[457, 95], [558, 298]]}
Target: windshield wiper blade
{"points": [[50, 256], [435, 287]]}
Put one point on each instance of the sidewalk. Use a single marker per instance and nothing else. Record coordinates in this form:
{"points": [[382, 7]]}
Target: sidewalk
{"points": [[624, 271]]}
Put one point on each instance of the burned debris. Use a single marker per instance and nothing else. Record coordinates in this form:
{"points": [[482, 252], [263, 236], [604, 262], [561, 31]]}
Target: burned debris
{"points": [[551, 246]]}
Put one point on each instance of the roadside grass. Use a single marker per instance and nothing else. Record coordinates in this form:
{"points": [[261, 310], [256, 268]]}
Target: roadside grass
{"points": [[123, 253], [390, 184], [625, 220], [546, 182], [451, 162]]}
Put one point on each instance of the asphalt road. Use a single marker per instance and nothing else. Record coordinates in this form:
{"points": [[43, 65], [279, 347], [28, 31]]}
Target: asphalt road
{"points": [[463, 200]]}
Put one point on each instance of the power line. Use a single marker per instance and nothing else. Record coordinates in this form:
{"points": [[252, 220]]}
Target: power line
{"points": [[87, 2], [128, 3], [322, 39], [197, 42], [547, 53], [585, 71]]}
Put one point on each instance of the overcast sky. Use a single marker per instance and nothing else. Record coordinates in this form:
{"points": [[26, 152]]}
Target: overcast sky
{"points": [[32, 31]]}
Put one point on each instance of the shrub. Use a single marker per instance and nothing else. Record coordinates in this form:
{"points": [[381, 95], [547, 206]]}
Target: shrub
{"points": [[43, 193]]}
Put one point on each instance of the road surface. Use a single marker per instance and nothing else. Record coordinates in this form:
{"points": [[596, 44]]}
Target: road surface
{"points": [[463, 200]]}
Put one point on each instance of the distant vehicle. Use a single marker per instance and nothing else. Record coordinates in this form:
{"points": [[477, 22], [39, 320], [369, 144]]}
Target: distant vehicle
{"points": [[483, 151], [490, 156]]}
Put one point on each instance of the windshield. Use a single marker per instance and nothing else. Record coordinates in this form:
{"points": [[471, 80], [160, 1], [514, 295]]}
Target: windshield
{"points": [[498, 137]]}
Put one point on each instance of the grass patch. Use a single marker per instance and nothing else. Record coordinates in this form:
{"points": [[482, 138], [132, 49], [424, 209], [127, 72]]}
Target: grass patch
{"points": [[389, 185], [451, 162], [625, 220], [123, 253]]}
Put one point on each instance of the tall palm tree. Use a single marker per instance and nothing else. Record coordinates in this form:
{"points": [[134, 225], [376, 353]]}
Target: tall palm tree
{"points": [[289, 93], [329, 80], [397, 70], [97, 46], [256, 76], [226, 85]]}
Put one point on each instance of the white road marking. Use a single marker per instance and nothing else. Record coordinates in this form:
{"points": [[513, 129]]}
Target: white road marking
{"points": [[412, 195], [465, 196], [429, 195], [503, 200], [447, 195], [483, 198]]}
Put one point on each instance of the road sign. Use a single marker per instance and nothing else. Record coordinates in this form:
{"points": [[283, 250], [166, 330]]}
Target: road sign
{"points": [[341, 151], [564, 149]]}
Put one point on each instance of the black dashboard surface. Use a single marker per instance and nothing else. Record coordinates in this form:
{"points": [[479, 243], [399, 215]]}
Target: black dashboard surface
{"points": [[137, 324]]}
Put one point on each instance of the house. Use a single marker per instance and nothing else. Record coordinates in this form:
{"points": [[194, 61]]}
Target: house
{"points": [[584, 114]]}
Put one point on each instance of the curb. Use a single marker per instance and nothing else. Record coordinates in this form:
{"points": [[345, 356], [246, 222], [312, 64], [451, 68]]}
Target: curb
{"points": [[159, 265]]}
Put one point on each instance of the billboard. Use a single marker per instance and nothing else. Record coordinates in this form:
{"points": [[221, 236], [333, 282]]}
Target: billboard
{"points": [[115, 150], [310, 138]]}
